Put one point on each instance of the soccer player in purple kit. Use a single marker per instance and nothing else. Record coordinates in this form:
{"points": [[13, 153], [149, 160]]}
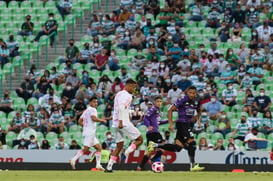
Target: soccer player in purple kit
{"points": [[151, 120], [187, 107]]}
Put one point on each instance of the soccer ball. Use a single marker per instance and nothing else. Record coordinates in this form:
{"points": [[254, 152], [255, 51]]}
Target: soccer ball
{"points": [[158, 167]]}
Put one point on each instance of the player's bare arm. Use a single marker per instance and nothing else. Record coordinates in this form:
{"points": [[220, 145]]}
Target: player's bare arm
{"points": [[96, 119], [170, 116], [80, 121]]}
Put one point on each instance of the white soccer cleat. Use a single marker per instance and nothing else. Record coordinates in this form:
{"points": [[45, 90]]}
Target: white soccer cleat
{"points": [[99, 167], [72, 163]]}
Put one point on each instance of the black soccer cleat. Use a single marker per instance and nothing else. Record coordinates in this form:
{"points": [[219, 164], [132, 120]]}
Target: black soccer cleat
{"points": [[108, 171]]}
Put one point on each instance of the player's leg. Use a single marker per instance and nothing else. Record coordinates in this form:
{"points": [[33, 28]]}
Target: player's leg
{"points": [[146, 155], [157, 138], [97, 146], [72, 162], [177, 147], [133, 133], [120, 142], [190, 145]]}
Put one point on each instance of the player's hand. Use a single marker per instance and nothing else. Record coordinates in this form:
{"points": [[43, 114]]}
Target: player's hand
{"points": [[150, 128], [104, 121], [120, 124], [171, 127]]}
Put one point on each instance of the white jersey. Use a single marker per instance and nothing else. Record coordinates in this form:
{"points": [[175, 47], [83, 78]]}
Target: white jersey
{"points": [[89, 126], [125, 99]]}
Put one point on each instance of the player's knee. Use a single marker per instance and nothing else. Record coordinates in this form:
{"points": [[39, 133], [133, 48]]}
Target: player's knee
{"points": [[192, 145], [178, 148]]}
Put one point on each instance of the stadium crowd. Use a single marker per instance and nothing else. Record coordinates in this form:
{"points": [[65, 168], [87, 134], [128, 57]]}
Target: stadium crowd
{"points": [[224, 48]]}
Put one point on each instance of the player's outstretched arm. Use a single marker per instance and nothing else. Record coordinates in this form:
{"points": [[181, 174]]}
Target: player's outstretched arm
{"points": [[170, 116], [96, 119]]}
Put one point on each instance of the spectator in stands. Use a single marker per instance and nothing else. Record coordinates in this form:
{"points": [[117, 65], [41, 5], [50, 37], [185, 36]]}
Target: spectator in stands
{"points": [[124, 75], [26, 89], [124, 15], [232, 59], [229, 95], [43, 117], [241, 129], [231, 146], [173, 94], [69, 91], [223, 32], [267, 123], [61, 145], [238, 15], [79, 107], [213, 19], [94, 26], [108, 27], [248, 101], [94, 90], [223, 124], [49, 28], [6, 103], [210, 67], [252, 17], [219, 145], [27, 27], [251, 136], [105, 85], [236, 33], [85, 54], [45, 145], [262, 102], [108, 114], [56, 121], [268, 65], [71, 53], [101, 60], [256, 74], [17, 122], [74, 145], [4, 54], [23, 137], [42, 87], [241, 72], [152, 7], [227, 76], [13, 46], [138, 39], [264, 33], [136, 115], [51, 94], [33, 74], [82, 93], [253, 3], [69, 115], [214, 108], [117, 85], [74, 79], [131, 23], [213, 49], [113, 61], [109, 141], [242, 53], [64, 7], [164, 17], [33, 143], [203, 144], [196, 11], [254, 121]]}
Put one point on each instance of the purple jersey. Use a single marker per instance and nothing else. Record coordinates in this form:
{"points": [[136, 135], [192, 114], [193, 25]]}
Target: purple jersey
{"points": [[186, 109], [152, 118]]}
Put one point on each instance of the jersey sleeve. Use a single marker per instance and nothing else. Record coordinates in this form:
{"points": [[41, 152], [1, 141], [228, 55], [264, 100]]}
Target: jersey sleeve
{"points": [[147, 116]]}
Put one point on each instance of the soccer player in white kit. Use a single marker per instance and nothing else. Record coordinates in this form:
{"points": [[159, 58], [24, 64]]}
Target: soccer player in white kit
{"points": [[122, 124], [88, 120]]}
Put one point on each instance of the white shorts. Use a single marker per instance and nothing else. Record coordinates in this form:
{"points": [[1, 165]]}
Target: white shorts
{"points": [[90, 141], [128, 130]]}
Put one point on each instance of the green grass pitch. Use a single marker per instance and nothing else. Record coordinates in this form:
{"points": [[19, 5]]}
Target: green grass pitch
{"points": [[12, 175]]}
